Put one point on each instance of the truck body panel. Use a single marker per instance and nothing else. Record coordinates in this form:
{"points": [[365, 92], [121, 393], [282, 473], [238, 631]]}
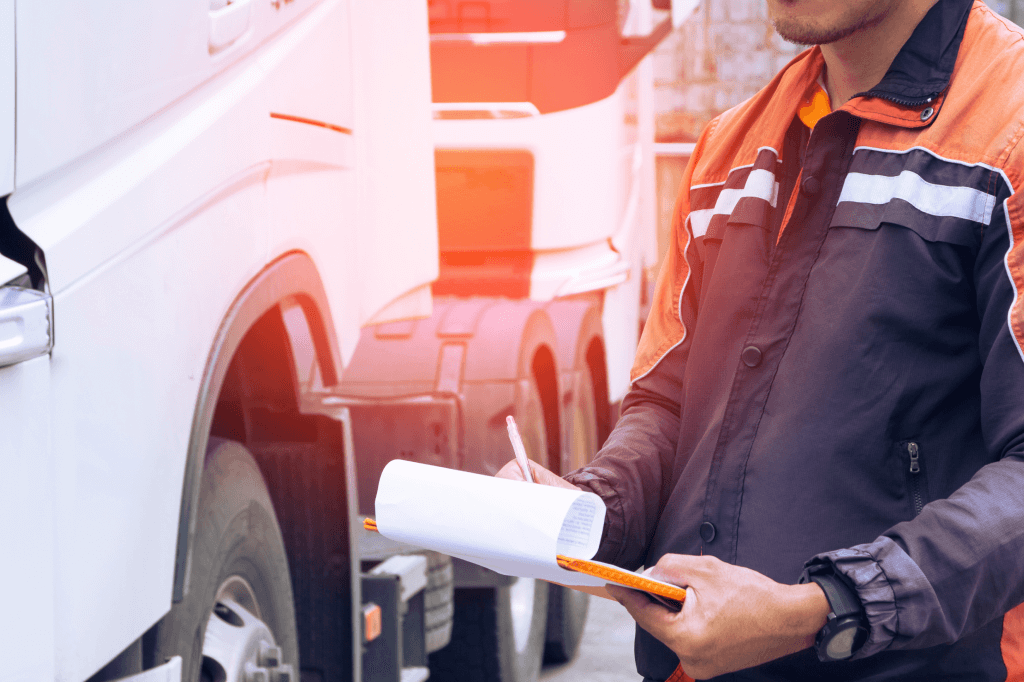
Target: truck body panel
{"points": [[155, 178]]}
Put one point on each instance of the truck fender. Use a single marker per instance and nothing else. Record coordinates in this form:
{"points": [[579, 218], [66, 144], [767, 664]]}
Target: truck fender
{"points": [[292, 277]]}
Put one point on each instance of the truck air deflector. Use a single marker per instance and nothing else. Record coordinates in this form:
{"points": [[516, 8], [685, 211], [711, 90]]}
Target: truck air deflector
{"points": [[556, 54]]}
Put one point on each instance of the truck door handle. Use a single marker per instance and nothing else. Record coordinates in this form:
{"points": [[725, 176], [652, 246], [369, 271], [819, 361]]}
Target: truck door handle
{"points": [[229, 23], [26, 324]]}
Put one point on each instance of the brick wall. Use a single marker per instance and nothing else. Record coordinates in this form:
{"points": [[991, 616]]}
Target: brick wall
{"points": [[723, 54]]}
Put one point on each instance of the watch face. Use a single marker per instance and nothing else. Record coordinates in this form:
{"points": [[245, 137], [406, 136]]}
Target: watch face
{"points": [[840, 644]]}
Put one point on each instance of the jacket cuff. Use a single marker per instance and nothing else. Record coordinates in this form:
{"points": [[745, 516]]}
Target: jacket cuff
{"points": [[895, 594], [614, 519]]}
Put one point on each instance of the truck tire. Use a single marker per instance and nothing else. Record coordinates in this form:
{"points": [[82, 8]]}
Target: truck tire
{"points": [[494, 638], [498, 633], [238, 607], [439, 601], [567, 609]]}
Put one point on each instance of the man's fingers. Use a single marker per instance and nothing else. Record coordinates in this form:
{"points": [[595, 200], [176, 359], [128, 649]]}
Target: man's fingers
{"points": [[683, 569], [545, 477], [511, 471], [648, 614]]}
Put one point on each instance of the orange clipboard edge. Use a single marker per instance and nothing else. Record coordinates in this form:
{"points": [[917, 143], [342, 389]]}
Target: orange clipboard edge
{"points": [[670, 596]]}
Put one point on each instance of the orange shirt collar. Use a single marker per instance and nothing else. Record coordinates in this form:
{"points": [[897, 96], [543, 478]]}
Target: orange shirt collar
{"points": [[815, 105]]}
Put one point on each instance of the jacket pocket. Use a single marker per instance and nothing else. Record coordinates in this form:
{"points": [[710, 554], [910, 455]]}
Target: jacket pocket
{"points": [[916, 476], [948, 229]]}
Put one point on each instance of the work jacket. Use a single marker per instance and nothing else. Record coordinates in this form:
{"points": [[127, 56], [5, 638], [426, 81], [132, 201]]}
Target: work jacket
{"points": [[832, 369]]}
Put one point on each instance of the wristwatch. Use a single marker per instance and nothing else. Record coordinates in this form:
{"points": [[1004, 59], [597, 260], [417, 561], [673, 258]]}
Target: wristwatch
{"points": [[846, 629]]}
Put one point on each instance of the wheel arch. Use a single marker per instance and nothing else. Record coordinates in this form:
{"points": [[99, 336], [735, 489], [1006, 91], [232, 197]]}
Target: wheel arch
{"points": [[598, 367], [291, 277], [544, 369]]}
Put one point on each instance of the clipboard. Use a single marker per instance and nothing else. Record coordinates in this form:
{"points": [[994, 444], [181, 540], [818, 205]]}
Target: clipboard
{"points": [[668, 595]]}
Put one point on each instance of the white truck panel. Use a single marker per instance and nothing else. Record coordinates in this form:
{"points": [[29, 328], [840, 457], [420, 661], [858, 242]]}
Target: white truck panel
{"points": [[396, 222], [311, 200], [126, 375], [593, 221], [119, 196], [6, 96], [27, 531], [88, 71], [148, 241], [573, 149], [10, 269]]}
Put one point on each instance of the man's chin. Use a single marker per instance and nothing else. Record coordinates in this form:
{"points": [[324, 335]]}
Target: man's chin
{"points": [[795, 22], [806, 35]]}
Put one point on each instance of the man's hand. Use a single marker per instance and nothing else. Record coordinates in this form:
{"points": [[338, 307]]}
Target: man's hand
{"points": [[732, 618], [541, 475]]}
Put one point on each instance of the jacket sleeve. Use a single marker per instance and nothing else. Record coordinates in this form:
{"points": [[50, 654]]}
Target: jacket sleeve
{"points": [[635, 461], [632, 471], [958, 565]]}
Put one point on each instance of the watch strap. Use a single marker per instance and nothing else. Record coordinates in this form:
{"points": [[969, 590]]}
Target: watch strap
{"points": [[845, 631], [840, 596]]}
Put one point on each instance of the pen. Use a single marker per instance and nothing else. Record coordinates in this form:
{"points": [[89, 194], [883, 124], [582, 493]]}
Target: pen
{"points": [[517, 447]]}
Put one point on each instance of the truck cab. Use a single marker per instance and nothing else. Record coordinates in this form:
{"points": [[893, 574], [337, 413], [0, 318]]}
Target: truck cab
{"points": [[198, 217]]}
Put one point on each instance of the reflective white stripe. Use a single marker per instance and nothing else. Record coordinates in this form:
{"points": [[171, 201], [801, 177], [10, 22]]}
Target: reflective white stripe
{"points": [[937, 200], [1006, 211], [699, 221], [760, 185]]}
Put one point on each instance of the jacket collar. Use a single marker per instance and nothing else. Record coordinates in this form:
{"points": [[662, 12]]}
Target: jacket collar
{"points": [[919, 75], [924, 65]]}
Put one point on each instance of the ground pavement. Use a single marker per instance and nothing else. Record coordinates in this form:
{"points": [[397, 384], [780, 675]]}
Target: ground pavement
{"points": [[606, 652]]}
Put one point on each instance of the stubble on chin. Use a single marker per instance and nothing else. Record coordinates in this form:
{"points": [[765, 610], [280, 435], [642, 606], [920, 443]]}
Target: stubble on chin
{"points": [[817, 30]]}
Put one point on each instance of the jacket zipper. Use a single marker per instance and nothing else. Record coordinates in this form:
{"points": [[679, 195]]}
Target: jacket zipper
{"points": [[915, 476], [902, 101]]}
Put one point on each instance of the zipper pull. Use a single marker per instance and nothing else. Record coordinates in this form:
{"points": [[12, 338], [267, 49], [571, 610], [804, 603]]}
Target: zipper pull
{"points": [[915, 458]]}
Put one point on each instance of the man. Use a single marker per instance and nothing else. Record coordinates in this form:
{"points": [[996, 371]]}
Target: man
{"points": [[824, 439]]}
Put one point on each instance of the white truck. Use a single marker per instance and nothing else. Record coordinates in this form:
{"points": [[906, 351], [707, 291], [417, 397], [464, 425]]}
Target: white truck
{"points": [[204, 204], [544, 147]]}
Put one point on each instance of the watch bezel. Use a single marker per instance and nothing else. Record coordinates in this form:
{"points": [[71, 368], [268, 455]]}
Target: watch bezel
{"points": [[833, 628]]}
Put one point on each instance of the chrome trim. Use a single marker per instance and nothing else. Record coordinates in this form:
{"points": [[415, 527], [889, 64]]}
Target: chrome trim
{"points": [[520, 37], [674, 148], [26, 324], [444, 111]]}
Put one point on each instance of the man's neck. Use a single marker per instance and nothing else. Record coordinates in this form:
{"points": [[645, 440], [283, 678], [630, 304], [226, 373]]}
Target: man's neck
{"points": [[858, 62]]}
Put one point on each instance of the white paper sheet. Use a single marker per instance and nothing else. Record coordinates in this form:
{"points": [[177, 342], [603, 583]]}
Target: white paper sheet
{"points": [[511, 527]]}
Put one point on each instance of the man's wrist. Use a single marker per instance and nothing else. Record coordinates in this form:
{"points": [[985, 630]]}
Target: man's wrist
{"points": [[810, 609]]}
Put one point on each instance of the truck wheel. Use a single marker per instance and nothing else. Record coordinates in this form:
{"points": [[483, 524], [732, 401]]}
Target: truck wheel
{"points": [[498, 635], [438, 601], [567, 609], [237, 617]]}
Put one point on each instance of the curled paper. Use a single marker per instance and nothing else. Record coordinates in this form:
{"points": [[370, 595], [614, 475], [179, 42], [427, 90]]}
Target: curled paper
{"points": [[511, 527]]}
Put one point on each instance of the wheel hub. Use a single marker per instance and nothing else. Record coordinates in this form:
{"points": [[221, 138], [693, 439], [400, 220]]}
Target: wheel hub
{"points": [[521, 596], [239, 647]]}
